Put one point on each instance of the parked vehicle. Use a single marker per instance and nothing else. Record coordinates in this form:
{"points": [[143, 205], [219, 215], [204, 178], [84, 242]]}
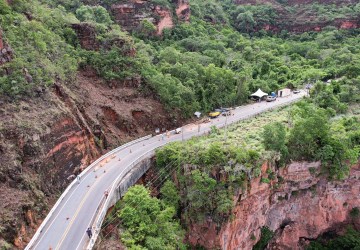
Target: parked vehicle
{"points": [[214, 114], [270, 98], [296, 91], [178, 130], [226, 113]]}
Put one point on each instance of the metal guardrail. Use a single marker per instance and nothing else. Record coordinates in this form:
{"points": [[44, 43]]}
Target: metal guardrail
{"points": [[48, 217], [103, 207]]}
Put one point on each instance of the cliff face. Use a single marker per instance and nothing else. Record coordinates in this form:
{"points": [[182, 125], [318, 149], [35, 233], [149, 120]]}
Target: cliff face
{"points": [[319, 26], [130, 14], [298, 205], [42, 145], [301, 16], [87, 36], [296, 2]]}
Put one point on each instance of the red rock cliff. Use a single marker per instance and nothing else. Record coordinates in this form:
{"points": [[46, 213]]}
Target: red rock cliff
{"points": [[304, 18], [300, 206], [130, 14]]}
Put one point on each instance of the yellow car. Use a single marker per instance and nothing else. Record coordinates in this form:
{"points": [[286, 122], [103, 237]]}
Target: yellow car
{"points": [[214, 114]]}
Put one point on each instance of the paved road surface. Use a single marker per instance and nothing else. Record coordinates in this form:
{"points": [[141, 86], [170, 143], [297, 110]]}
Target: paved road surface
{"points": [[67, 225]]}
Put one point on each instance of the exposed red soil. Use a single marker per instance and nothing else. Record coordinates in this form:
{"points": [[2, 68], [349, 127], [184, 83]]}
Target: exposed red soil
{"points": [[165, 21], [122, 111]]}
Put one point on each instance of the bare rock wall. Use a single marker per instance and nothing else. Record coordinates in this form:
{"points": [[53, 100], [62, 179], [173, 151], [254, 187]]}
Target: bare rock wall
{"points": [[299, 204]]}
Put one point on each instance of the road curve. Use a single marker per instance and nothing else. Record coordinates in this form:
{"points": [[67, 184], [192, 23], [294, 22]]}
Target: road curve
{"points": [[66, 226]]}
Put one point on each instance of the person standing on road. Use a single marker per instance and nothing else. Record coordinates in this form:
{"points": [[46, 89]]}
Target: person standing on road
{"points": [[89, 233], [78, 179]]}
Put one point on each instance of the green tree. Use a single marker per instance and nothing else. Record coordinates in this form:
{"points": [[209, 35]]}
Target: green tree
{"points": [[310, 132], [95, 14], [148, 223], [266, 236], [274, 138], [4, 7], [246, 21], [147, 28], [170, 195]]}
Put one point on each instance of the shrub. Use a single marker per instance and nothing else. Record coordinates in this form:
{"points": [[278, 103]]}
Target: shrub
{"points": [[266, 236], [355, 212]]}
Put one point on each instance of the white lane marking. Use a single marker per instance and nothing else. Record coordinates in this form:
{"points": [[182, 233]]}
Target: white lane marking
{"points": [[82, 238], [62, 206]]}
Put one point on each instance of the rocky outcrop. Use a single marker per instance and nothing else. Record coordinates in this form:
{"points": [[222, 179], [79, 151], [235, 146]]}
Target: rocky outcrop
{"points": [[304, 18], [86, 34], [299, 204], [6, 53], [165, 20], [317, 26], [131, 13], [183, 10], [296, 2]]}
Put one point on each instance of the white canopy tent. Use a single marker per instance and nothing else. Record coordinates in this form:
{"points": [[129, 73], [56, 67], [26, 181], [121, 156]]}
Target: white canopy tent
{"points": [[259, 93]]}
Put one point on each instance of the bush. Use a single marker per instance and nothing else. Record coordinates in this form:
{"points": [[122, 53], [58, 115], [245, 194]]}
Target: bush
{"points": [[266, 236], [265, 180], [355, 212], [148, 223]]}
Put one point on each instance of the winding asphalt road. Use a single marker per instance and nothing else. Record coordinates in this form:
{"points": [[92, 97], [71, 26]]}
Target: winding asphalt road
{"points": [[66, 226]]}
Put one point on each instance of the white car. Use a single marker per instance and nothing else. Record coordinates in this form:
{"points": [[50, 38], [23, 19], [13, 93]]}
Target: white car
{"points": [[270, 98], [178, 130]]}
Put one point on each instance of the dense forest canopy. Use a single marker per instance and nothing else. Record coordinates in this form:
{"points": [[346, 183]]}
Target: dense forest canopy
{"points": [[208, 62]]}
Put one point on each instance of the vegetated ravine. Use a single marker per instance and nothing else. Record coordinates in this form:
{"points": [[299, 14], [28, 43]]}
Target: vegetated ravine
{"points": [[78, 78]]}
